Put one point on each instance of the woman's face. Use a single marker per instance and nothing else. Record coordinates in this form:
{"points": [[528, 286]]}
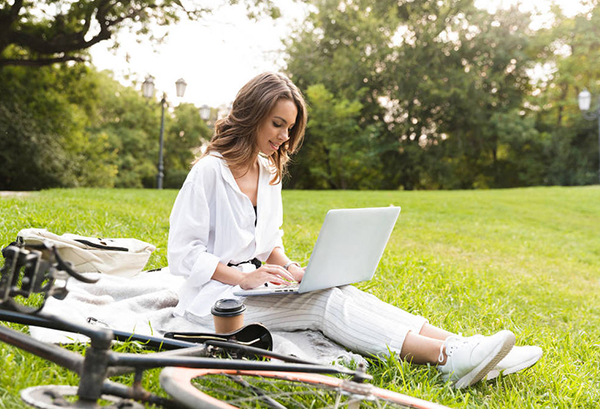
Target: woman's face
{"points": [[275, 128]]}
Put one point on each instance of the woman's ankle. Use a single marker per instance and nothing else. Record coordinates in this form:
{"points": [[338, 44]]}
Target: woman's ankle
{"points": [[420, 349]]}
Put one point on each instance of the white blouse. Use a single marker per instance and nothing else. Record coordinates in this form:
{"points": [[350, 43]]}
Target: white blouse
{"points": [[212, 221]]}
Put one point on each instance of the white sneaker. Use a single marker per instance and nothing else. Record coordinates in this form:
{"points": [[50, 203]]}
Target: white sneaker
{"points": [[518, 358], [470, 359]]}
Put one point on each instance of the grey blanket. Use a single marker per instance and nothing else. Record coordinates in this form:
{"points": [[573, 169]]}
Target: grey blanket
{"points": [[144, 304]]}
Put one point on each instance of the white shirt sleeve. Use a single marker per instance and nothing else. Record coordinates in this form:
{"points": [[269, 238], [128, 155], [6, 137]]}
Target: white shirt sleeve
{"points": [[212, 221], [189, 233]]}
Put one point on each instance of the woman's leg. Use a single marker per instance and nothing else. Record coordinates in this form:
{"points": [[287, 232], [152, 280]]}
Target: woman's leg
{"points": [[354, 319], [420, 349], [365, 324], [426, 346], [430, 331]]}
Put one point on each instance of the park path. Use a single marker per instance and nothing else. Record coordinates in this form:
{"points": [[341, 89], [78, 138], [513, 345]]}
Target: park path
{"points": [[13, 194]]}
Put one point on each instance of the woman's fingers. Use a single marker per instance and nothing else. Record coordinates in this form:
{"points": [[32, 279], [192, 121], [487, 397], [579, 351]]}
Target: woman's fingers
{"points": [[267, 273], [279, 271]]}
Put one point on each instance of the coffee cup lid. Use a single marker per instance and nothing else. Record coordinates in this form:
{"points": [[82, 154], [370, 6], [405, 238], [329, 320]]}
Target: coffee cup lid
{"points": [[228, 307]]}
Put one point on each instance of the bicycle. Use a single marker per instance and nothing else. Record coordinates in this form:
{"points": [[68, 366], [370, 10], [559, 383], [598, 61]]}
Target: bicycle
{"points": [[195, 375]]}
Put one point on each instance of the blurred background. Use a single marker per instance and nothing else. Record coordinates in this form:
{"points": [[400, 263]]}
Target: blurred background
{"points": [[408, 94]]}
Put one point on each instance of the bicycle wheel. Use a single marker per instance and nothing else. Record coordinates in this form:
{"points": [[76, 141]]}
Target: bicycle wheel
{"points": [[216, 388], [64, 396]]}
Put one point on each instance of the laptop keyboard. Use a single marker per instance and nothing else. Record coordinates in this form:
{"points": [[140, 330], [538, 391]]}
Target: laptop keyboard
{"points": [[283, 288]]}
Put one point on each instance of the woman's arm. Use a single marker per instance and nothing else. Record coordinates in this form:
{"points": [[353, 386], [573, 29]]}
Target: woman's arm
{"points": [[189, 233]]}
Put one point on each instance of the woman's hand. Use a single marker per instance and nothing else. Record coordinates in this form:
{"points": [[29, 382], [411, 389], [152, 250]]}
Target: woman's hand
{"points": [[267, 273], [297, 272]]}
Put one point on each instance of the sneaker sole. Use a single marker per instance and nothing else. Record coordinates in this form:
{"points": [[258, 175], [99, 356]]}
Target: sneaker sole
{"points": [[494, 373], [486, 366]]}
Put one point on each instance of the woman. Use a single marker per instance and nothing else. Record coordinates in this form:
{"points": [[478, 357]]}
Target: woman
{"points": [[226, 222]]}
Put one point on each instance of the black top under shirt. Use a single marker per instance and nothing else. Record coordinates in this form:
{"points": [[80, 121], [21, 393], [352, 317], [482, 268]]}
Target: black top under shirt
{"points": [[254, 261]]}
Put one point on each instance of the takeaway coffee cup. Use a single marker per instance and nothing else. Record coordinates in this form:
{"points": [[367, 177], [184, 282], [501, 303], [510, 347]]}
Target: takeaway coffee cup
{"points": [[228, 315]]}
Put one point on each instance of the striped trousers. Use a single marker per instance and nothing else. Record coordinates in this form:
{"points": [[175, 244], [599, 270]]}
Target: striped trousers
{"points": [[359, 321]]}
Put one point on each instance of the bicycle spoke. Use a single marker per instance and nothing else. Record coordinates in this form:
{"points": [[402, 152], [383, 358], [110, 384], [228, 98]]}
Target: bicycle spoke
{"points": [[263, 395], [278, 393]]}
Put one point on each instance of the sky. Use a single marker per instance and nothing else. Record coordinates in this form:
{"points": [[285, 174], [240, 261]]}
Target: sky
{"points": [[215, 56], [219, 54]]}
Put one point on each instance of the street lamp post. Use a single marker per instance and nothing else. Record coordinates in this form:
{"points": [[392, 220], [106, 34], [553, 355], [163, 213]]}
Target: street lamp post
{"points": [[148, 91], [585, 100]]}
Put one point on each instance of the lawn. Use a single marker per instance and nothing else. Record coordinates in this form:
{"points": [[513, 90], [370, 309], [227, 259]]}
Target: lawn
{"points": [[527, 260]]}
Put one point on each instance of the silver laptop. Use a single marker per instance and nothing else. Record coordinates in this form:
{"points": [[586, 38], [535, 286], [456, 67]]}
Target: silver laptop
{"points": [[348, 250]]}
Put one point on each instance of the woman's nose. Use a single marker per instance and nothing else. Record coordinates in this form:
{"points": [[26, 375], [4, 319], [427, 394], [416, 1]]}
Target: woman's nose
{"points": [[284, 135]]}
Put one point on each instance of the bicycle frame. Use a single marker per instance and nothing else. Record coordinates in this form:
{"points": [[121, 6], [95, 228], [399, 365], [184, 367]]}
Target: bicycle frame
{"points": [[101, 363], [35, 269]]}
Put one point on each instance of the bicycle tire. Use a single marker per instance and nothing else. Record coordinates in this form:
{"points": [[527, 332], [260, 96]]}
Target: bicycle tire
{"points": [[64, 396], [220, 389]]}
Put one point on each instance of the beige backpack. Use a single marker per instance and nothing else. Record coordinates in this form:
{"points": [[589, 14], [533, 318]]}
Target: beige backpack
{"points": [[122, 257]]}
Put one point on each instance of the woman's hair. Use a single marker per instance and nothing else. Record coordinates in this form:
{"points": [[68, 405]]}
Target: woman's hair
{"points": [[235, 136]]}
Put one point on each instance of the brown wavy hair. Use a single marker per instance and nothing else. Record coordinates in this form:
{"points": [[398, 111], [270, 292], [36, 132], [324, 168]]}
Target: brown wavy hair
{"points": [[235, 136]]}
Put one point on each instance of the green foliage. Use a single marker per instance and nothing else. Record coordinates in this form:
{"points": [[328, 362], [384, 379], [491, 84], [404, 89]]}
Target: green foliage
{"points": [[88, 130], [571, 52], [409, 95], [185, 132], [130, 123], [447, 90], [43, 116], [337, 152], [66, 126], [470, 261], [521, 150], [428, 75]]}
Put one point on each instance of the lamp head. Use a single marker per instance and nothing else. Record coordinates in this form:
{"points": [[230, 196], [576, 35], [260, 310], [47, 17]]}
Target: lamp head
{"points": [[148, 87], [585, 99], [180, 85], [205, 112]]}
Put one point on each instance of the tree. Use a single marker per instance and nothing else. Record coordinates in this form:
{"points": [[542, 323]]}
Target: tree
{"points": [[343, 45], [42, 32], [185, 134], [65, 124], [570, 52], [485, 77], [43, 142], [429, 74], [338, 153], [88, 130], [130, 125]]}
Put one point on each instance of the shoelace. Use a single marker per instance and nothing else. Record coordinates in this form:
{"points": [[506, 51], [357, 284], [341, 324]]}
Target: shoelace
{"points": [[449, 349]]}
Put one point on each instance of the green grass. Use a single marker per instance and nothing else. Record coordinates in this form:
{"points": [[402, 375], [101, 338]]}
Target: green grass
{"points": [[527, 260]]}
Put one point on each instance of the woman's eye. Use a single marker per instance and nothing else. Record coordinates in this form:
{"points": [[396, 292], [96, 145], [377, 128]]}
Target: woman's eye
{"points": [[276, 125]]}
